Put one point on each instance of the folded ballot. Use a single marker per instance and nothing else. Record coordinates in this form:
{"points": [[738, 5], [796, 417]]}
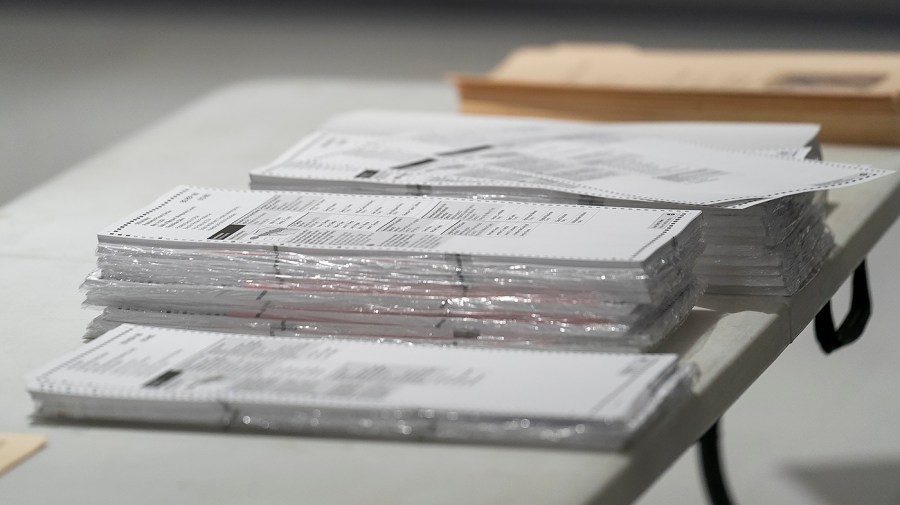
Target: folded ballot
{"points": [[400, 267], [361, 389], [766, 231], [694, 164]]}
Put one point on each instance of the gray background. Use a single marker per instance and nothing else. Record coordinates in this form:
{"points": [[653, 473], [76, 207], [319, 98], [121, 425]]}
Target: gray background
{"points": [[76, 79]]}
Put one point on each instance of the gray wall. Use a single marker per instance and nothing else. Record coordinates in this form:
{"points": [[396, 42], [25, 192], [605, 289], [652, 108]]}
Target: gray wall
{"points": [[75, 79]]}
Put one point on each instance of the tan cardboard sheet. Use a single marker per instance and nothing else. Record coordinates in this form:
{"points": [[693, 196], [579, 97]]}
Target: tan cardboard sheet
{"points": [[15, 447], [625, 66]]}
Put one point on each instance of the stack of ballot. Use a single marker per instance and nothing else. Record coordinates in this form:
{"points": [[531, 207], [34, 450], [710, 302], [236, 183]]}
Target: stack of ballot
{"points": [[757, 189], [771, 248], [361, 389], [406, 268]]}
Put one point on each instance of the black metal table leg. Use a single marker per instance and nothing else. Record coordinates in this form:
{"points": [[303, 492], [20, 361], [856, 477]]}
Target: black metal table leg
{"points": [[713, 470], [830, 339]]}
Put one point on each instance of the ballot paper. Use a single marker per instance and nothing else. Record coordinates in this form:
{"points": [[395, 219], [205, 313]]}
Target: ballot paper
{"points": [[371, 241], [362, 389], [539, 328], [400, 268], [755, 183], [504, 157]]}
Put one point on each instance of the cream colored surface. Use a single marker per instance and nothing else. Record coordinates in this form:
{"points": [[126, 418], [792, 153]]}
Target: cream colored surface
{"points": [[853, 95], [15, 447], [621, 65]]}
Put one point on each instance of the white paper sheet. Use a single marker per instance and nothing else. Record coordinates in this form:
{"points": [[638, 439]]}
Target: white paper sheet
{"points": [[155, 364], [294, 221], [683, 164]]}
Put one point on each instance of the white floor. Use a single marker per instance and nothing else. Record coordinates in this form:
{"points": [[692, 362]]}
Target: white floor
{"points": [[813, 430]]}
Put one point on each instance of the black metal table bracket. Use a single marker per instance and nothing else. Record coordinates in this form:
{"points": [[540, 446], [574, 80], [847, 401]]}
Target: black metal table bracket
{"points": [[830, 339]]}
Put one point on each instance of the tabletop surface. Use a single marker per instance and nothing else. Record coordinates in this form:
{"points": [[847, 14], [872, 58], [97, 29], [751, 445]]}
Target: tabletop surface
{"points": [[49, 235]]}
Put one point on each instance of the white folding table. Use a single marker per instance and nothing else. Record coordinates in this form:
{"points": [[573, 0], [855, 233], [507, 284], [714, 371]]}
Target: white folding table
{"points": [[47, 247]]}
